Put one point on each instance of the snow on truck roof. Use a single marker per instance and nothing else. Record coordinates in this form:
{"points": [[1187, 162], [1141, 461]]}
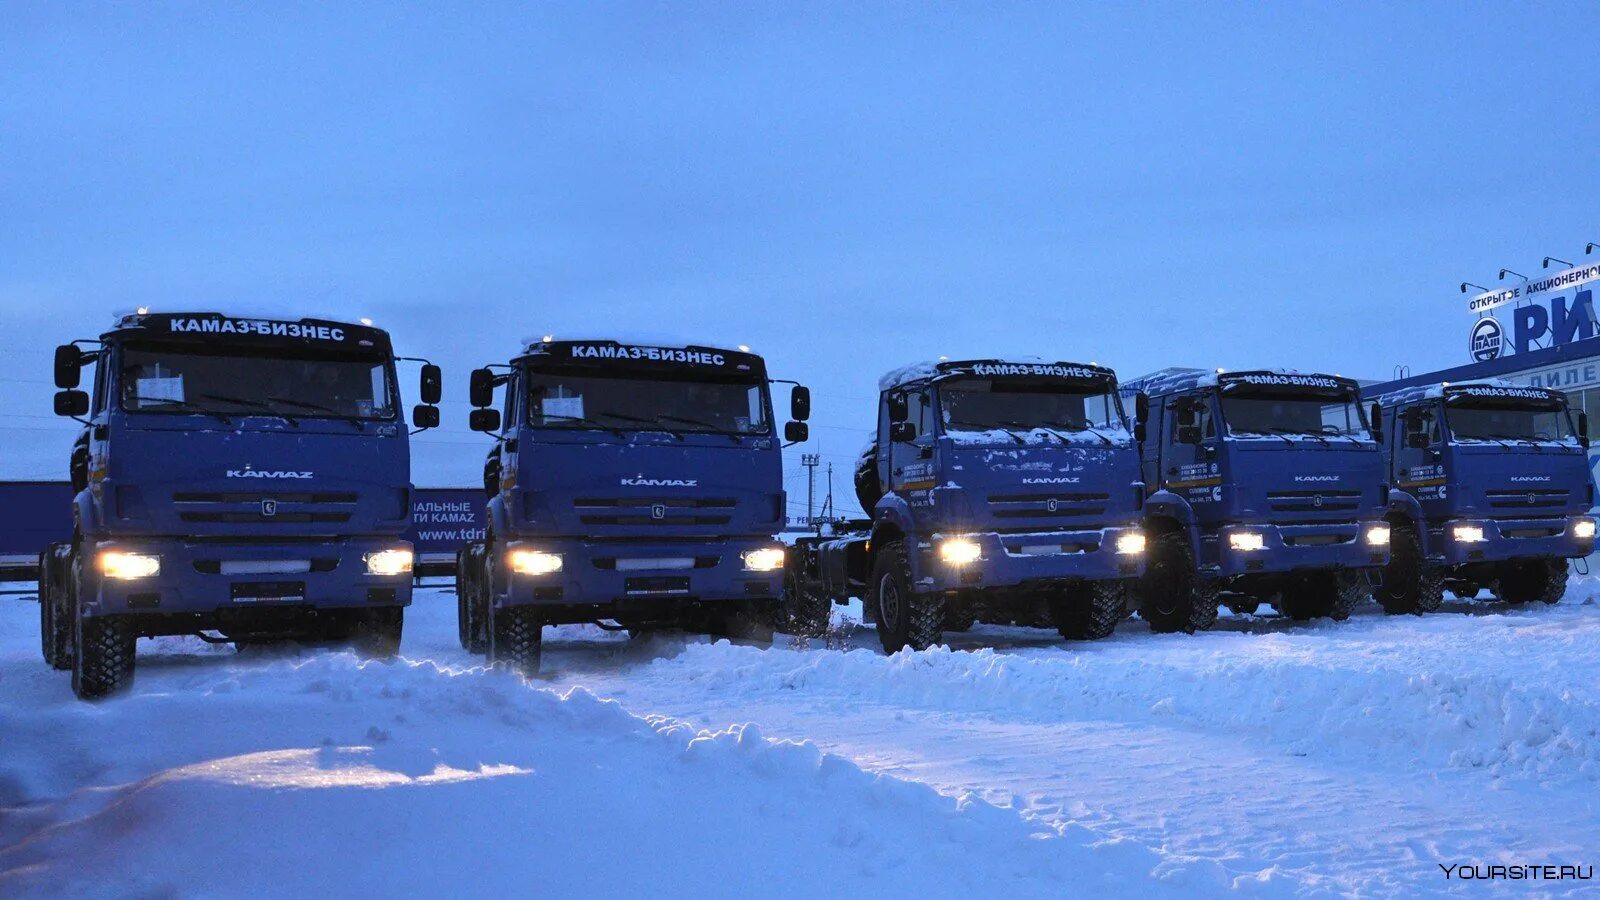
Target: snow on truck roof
{"points": [[1487, 386], [1024, 365], [1177, 378]]}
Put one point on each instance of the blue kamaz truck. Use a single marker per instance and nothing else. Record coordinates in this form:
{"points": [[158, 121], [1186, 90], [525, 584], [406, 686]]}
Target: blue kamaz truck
{"points": [[1264, 486], [1491, 490], [249, 477], [1005, 492], [632, 486]]}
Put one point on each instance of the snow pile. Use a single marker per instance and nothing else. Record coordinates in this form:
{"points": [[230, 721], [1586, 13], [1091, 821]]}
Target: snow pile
{"points": [[329, 776]]}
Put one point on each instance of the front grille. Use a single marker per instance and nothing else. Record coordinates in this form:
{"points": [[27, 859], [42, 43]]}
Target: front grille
{"points": [[1061, 504], [609, 563], [654, 510], [1313, 501], [1526, 500], [243, 517], [656, 585], [265, 507]]}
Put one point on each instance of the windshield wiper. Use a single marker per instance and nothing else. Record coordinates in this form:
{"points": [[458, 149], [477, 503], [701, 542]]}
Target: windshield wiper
{"points": [[191, 406], [1514, 437], [711, 426], [317, 407], [253, 404], [585, 420], [1279, 433]]}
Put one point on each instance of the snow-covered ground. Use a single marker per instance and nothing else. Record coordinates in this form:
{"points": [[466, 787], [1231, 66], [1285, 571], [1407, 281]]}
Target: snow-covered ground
{"points": [[1263, 758]]}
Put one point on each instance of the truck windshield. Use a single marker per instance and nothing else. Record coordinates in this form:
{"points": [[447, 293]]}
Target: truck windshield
{"points": [[1289, 415], [983, 404], [237, 381], [646, 403], [1486, 421]]}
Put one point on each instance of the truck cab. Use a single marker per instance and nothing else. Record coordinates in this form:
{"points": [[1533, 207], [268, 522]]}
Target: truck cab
{"points": [[244, 476], [999, 491], [1264, 485], [633, 486], [1491, 490]]}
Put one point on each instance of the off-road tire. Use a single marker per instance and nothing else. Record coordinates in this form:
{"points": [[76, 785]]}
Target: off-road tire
{"points": [[1242, 606], [746, 621], [56, 606], [1325, 594], [1409, 584], [47, 630], [1089, 612], [516, 639], [1523, 581], [472, 596], [905, 619], [378, 632], [1171, 595], [803, 611], [958, 617], [103, 647]]}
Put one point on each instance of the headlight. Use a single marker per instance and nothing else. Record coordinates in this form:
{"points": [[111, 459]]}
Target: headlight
{"points": [[533, 562], [1132, 542], [1467, 534], [767, 559], [959, 551], [122, 565], [1378, 536], [1583, 528], [1246, 540], [389, 562]]}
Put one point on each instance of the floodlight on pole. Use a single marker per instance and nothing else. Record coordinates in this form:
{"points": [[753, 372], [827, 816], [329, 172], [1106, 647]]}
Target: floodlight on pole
{"points": [[1550, 259], [1505, 272], [1467, 284]]}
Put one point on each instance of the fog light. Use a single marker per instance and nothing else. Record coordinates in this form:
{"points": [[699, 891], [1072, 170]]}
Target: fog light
{"points": [[533, 562], [389, 562], [1131, 542], [1583, 528], [960, 551], [1246, 541], [124, 566], [1378, 536], [1468, 534], [767, 559]]}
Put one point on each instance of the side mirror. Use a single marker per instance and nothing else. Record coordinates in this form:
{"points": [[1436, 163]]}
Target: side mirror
{"points": [[1141, 408], [425, 416], [487, 420], [432, 387], [897, 408], [71, 403], [800, 403], [903, 432], [480, 390], [795, 432], [1376, 421], [1583, 428], [69, 363], [1189, 434]]}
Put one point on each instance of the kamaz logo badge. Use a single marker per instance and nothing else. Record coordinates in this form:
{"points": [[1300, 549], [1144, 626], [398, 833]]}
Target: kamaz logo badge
{"points": [[1060, 480], [1316, 501], [1300, 479], [1052, 504], [267, 473], [658, 511], [269, 508], [660, 482]]}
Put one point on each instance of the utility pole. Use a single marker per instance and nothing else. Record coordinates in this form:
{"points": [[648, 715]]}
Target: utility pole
{"points": [[810, 461], [827, 505]]}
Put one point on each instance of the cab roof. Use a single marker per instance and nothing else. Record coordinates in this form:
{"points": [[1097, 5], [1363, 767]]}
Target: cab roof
{"points": [[1021, 366]]}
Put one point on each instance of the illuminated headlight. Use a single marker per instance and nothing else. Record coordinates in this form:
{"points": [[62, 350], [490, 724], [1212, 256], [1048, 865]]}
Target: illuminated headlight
{"points": [[122, 565], [767, 559], [1132, 542], [534, 562], [1378, 536], [1246, 540], [959, 551], [389, 562], [1583, 528], [1467, 534]]}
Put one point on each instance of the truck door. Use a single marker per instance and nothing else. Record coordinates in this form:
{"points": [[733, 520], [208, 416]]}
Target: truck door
{"points": [[1189, 460], [911, 446], [1418, 453]]}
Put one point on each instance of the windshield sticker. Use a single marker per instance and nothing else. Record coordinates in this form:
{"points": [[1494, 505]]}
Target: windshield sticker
{"points": [[260, 327], [563, 407], [649, 354], [1033, 370], [160, 389], [1502, 392], [1276, 380]]}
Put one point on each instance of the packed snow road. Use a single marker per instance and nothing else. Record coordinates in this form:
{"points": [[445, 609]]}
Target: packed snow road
{"points": [[1263, 757]]}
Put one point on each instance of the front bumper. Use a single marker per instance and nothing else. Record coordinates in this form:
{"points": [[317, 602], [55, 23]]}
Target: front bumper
{"points": [[639, 575], [204, 577], [1014, 560], [1505, 539], [1289, 548]]}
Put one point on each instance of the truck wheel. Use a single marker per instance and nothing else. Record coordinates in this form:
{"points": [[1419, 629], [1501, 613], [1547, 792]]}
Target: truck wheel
{"points": [[1409, 585], [47, 631], [1089, 612], [905, 619], [1534, 579], [516, 638], [102, 658], [471, 596], [803, 611], [1331, 594], [958, 616], [1172, 597], [378, 632], [60, 610]]}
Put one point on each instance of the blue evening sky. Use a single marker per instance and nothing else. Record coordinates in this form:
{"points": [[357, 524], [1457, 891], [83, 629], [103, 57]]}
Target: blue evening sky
{"points": [[844, 187]]}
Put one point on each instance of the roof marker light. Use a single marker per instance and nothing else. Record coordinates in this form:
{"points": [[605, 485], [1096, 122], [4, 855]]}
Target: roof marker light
{"points": [[548, 338], [366, 321], [744, 348], [144, 310]]}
